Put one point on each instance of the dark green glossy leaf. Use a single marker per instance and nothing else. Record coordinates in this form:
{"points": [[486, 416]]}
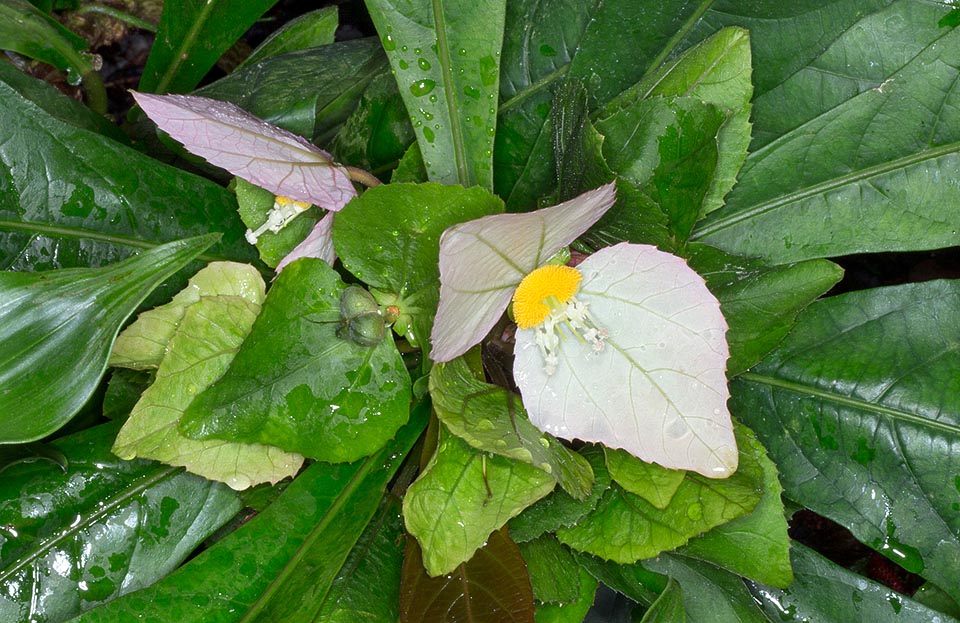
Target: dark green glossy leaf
{"points": [[446, 59], [368, 585], [634, 581], [936, 598], [825, 591], [710, 594], [389, 238], [667, 147], [858, 155], [560, 509], [625, 528], [716, 71], [550, 41], [123, 391], [858, 407], [59, 329], [76, 537], [53, 102], [759, 301], [668, 608], [279, 566], [72, 197], [308, 92], [492, 587], [319, 394], [378, 132], [554, 572], [191, 37], [462, 496], [491, 419], [310, 30], [26, 30]]}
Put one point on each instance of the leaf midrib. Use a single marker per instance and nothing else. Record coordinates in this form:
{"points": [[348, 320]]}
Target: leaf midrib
{"points": [[719, 224], [109, 506], [847, 401], [453, 110]]}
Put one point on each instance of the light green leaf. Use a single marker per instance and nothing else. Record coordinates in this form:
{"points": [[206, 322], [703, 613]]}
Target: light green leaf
{"points": [[198, 353], [667, 147], [78, 535], [825, 591], [464, 495], [191, 37], [555, 40], [559, 508], [626, 528], [142, 344], [446, 59], [403, 223], [850, 406], [320, 395], [59, 327], [491, 419], [654, 384], [653, 483], [866, 162], [756, 545]]}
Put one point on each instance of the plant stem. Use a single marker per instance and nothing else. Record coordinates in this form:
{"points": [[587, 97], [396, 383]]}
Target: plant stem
{"points": [[126, 18]]}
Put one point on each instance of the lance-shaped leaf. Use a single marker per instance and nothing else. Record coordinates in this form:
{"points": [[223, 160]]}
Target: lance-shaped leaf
{"points": [[77, 535], [204, 342], [59, 327], [483, 261], [865, 150], [300, 383], [859, 408], [191, 36], [280, 565], [229, 137], [657, 388], [28, 31], [446, 60], [462, 496]]}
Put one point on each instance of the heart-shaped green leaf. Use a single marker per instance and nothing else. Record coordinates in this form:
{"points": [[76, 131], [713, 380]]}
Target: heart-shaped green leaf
{"points": [[59, 328], [298, 382]]}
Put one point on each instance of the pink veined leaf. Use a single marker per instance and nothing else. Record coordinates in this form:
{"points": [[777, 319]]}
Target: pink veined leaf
{"points": [[318, 244], [483, 261], [657, 388], [263, 154]]}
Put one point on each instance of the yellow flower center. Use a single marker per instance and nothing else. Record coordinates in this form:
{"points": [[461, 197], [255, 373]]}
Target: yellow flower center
{"points": [[540, 292]]}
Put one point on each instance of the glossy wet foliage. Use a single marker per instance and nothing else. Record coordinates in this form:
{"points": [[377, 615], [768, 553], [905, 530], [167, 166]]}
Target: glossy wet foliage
{"points": [[757, 141]]}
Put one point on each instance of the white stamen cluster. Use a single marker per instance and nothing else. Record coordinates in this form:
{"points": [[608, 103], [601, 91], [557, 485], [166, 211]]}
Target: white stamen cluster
{"points": [[574, 315], [283, 211]]}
